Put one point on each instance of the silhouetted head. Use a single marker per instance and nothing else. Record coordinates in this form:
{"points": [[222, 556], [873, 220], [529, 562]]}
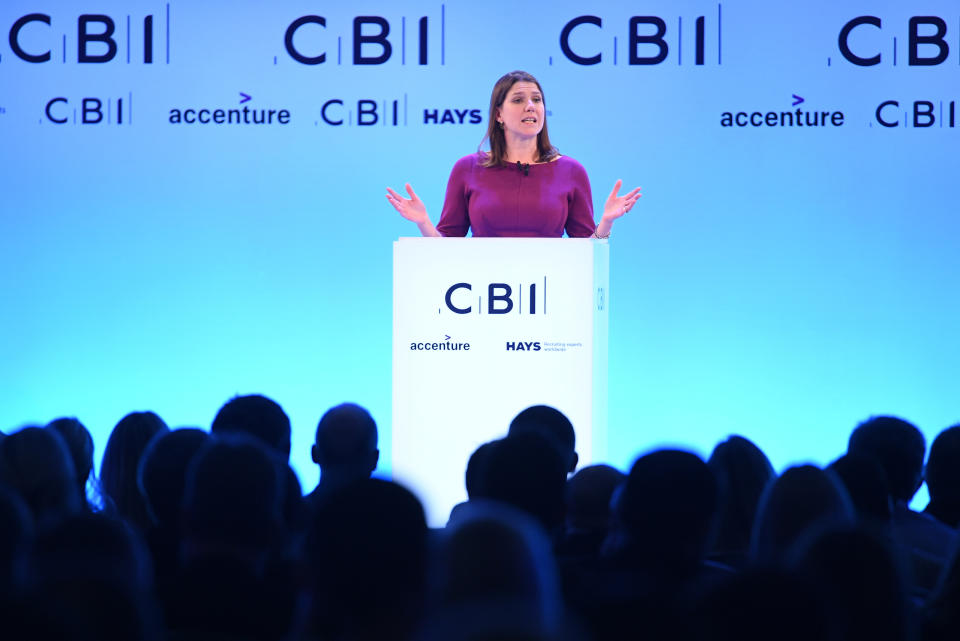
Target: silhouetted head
{"points": [[80, 446], [588, 497], [801, 500], [121, 460], [527, 472], [899, 448], [866, 483], [477, 470], [495, 576], [760, 605], [255, 416], [551, 424], [233, 499], [346, 442], [16, 535], [863, 584], [35, 463], [92, 572], [742, 471], [366, 554], [943, 471], [667, 509], [163, 471]]}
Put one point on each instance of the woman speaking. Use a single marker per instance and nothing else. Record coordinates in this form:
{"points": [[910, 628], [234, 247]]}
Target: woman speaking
{"points": [[522, 187]]}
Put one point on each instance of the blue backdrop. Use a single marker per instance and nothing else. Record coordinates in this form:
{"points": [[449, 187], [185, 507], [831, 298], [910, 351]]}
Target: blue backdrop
{"points": [[782, 277]]}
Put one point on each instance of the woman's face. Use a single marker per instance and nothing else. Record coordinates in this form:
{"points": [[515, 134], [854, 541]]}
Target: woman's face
{"points": [[522, 113]]}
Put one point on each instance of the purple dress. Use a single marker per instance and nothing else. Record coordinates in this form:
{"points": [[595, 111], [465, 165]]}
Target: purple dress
{"points": [[551, 198]]}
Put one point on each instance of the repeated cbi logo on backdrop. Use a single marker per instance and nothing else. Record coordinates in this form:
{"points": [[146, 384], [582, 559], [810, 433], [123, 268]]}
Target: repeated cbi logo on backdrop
{"points": [[419, 38]]}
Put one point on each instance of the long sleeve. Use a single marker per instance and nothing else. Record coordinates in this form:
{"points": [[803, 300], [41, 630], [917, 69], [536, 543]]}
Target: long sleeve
{"points": [[455, 217], [580, 223]]}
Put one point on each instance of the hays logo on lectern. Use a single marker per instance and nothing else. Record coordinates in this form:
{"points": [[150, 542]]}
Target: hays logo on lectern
{"points": [[501, 298]]}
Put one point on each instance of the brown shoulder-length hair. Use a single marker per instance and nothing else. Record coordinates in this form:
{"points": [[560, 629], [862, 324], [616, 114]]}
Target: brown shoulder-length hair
{"points": [[498, 142]]}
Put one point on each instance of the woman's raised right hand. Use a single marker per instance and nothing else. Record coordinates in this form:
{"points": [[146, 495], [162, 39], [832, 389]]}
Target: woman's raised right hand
{"points": [[411, 208]]}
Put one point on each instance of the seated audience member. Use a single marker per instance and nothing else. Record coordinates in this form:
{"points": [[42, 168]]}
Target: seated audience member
{"points": [[345, 449], [940, 614], [80, 446], [666, 515], [366, 556], [588, 495], [16, 537], [233, 529], [943, 477], [162, 479], [256, 416], [552, 425], [520, 471], [762, 605], [91, 579], [475, 477], [862, 581], [742, 471], [35, 463], [866, 483], [801, 500], [121, 459], [495, 578], [261, 418], [662, 527], [898, 446]]}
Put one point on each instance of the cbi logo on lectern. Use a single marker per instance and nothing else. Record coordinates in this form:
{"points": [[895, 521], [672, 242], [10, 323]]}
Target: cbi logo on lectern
{"points": [[501, 298]]}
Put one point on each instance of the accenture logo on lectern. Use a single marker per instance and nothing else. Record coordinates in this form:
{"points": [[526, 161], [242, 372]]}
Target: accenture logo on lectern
{"points": [[439, 346]]}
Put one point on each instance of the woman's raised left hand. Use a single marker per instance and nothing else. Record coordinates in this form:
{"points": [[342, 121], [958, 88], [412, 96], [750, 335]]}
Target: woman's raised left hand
{"points": [[617, 206]]}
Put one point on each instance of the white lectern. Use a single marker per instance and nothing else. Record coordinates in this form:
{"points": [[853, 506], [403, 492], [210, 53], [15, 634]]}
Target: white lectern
{"points": [[482, 328]]}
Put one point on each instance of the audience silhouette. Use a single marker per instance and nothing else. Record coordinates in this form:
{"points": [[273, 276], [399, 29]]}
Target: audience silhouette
{"points": [[206, 535], [121, 458], [345, 448]]}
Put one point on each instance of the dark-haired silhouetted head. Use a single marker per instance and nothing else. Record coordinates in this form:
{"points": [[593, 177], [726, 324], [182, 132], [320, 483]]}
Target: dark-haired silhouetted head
{"points": [[667, 510], [866, 483], [233, 499], [528, 473], [16, 535], [742, 471], [92, 573], [345, 447], [163, 471], [366, 552], [862, 581], [943, 477], [121, 460], [760, 605], [256, 416], [80, 446], [552, 425], [477, 470], [495, 578], [899, 448], [588, 496], [803, 499], [35, 463]]}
